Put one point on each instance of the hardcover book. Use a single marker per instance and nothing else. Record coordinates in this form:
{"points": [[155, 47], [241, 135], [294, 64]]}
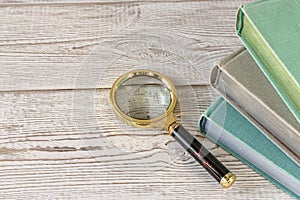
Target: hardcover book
{"points": [[240, 81], [228, 128], [270, 31]]}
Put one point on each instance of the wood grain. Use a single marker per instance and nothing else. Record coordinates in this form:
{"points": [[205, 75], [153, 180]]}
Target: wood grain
{"points": [[45, 151], [59, 138], [48, 46], [43, 2]]}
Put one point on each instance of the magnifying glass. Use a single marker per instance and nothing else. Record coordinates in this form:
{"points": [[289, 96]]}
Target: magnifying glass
{"points": [[147, 99]]}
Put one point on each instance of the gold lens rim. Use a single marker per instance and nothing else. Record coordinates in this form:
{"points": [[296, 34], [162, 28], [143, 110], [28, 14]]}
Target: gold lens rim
{"points": [[147, 123]]}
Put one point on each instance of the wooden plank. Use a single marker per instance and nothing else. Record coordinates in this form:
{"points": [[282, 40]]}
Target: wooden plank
{"points": [[43, 2], [66, 46], [48, 152]]}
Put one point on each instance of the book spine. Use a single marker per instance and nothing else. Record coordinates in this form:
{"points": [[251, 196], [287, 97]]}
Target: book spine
{"points": [[240, 98], [239, 21], [215, 133]]}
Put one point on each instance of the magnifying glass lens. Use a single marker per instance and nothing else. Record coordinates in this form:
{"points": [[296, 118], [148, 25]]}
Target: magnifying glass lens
{"points": [[143, 97]]}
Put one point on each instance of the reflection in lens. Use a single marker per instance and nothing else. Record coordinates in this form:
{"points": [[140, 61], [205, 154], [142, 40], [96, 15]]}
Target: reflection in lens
{"points": [[143, 97]]}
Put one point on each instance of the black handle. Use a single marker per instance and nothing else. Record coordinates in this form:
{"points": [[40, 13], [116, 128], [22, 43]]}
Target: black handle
{"points": [[203, 156]]}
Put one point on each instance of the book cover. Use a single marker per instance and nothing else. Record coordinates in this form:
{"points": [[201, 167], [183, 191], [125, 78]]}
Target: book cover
{"points": [[270, 31], [228, 128], [240, 81]]}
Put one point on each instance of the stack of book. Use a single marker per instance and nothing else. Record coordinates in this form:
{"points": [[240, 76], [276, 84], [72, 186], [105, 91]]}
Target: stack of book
{"points": [[257, 119]]}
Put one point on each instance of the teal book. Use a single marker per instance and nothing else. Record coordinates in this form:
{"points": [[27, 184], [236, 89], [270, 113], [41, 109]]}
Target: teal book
{"points": [[270, 31], [228, 128]]}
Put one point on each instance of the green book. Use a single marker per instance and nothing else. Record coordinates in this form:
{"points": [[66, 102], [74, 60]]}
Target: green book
{"points": [[228, 128], [270, 31]]}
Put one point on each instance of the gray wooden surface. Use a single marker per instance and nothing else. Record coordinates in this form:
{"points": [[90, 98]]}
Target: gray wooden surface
{"points": [[59, 137]]}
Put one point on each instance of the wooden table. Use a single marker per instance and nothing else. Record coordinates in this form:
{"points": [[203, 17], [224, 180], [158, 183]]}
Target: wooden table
{"points": [[59, 136]]}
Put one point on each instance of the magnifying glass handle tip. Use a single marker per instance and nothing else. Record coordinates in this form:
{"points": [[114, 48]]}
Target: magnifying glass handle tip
{"points": [[203, 156]]}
